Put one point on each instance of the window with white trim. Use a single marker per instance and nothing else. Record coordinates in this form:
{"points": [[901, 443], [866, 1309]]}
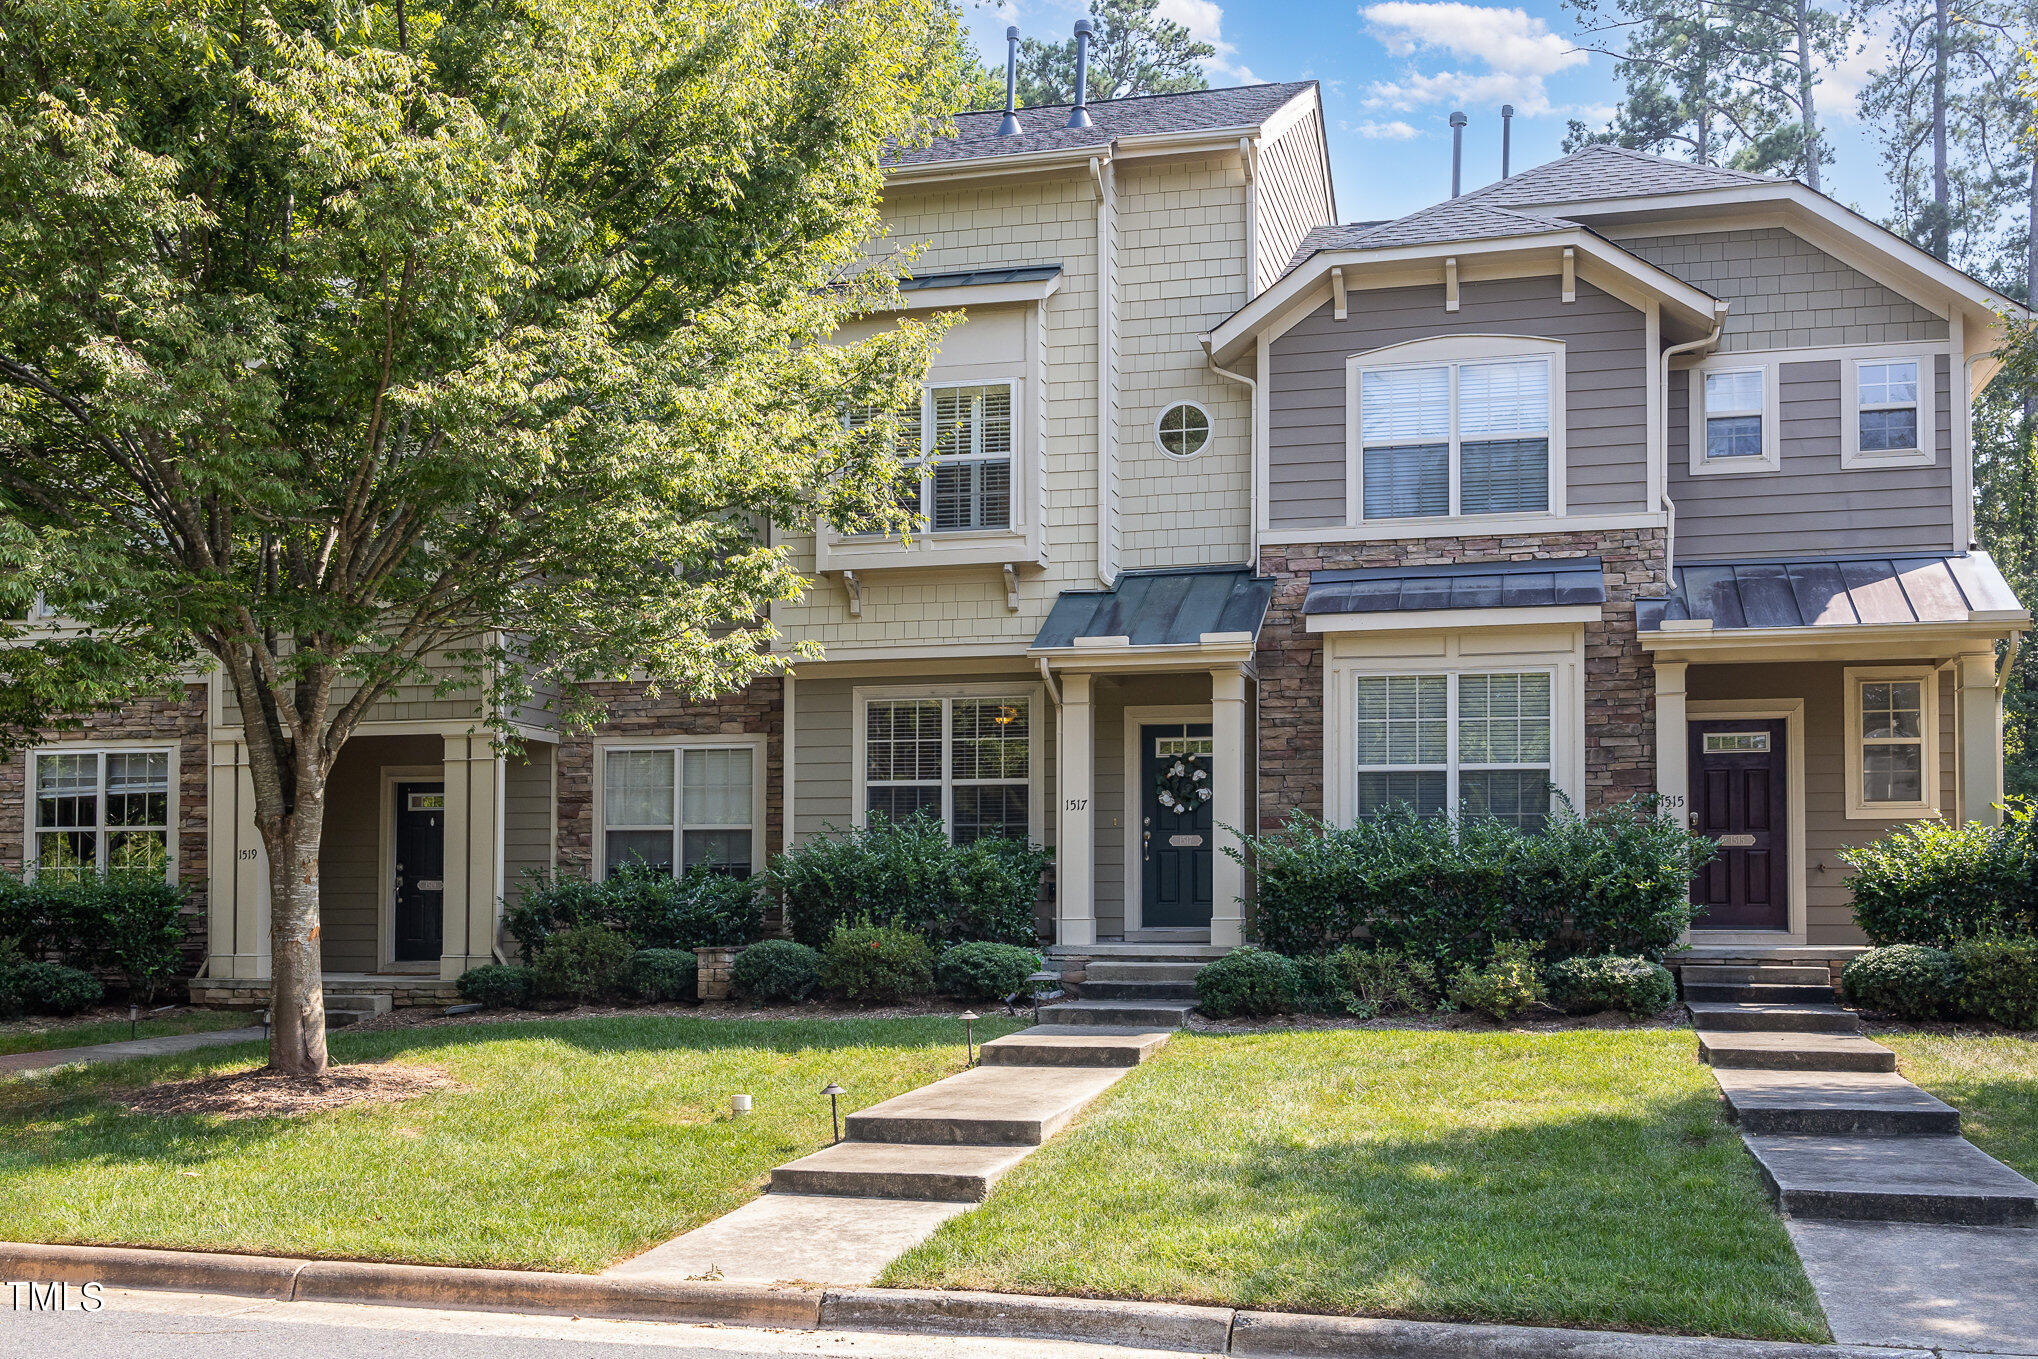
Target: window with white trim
{"points": [[957, 444], [672, 808], [1892, 741], [1467, 437], [966, 761], [101, 811], [1889, 418], [1471, 744], [1734, 422]]}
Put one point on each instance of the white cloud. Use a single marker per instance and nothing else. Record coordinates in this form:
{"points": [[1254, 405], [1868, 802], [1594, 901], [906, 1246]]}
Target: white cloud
{"points": [[1517, 51], [1205, 21], [1396, 131], [1840, 84]]}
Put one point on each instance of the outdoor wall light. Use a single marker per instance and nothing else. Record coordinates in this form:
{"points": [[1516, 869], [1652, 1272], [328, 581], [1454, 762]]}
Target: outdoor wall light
{"points": [[969, 1042], [834, 1093]]}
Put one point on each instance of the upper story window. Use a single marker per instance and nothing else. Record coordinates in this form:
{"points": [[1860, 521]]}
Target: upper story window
{"points": [[673, 807], [101, 810], [1472, 433], [957, 445], [1733, 415], [1182, 430], [1886, 404]]}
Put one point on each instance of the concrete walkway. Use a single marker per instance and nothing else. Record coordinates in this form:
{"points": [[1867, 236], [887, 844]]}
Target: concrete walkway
{"points": [[16, 1062], [905, 1166], [1918, 1284]]}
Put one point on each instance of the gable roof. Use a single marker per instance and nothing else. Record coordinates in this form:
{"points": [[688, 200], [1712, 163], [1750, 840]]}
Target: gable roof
{"points": [[1045, 128], [1596, 172], [1454, 219]]}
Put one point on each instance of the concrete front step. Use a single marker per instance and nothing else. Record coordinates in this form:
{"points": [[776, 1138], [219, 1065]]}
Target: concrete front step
{"points": [[1055, 1045], [1737, 1017], [1006, 1106], [1156, 1014], [1092, 989], [345, 1009], [898, 1170], [1131, 970], [1759, 993], [1781, 974], [1729, 1050], [1833, 1104], [1894, 1179]]}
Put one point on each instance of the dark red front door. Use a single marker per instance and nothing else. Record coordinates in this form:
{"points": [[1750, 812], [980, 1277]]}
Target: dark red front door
{"points": [[1737, 798]]}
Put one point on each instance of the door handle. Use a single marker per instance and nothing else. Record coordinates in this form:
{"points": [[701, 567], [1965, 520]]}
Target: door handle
{"points": [[1146, 840]]}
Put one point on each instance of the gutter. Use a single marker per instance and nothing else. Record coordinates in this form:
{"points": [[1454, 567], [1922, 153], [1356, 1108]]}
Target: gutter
{"points": [[1719, 322], [1252, 387]]}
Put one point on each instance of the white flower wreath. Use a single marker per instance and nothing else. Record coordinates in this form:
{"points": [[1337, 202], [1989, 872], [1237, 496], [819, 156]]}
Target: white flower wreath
{"points": [[1183, 785]]}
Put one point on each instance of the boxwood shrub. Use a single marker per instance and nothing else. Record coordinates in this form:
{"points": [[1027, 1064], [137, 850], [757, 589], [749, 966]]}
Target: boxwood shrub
{"points": [[499, 986], [1930, 883], [908, 873], [1588, 986], [1910, 981], [984, 971], [585, 963], [779, 971], [702, 908], [127, 923], [663, 975], [1246, 982], [50, 988], [876, 964], [1998, 979]]}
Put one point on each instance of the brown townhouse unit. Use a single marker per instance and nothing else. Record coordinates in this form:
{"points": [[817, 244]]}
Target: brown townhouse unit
{"points": [[1619, 475]]}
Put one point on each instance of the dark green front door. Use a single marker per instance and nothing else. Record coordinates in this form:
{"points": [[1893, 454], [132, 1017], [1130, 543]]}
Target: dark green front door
{"points": [[1175, 829]]}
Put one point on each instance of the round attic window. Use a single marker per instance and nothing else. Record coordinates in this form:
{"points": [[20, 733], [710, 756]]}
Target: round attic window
{"points": [[1182, 430]]}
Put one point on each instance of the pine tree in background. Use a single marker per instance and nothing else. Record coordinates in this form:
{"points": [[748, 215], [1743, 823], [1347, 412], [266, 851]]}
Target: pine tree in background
{"points": [[1135, 51]]}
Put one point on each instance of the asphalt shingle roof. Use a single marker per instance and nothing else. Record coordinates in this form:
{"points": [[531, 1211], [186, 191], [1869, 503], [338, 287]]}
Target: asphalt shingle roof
{"points": [[1044, 128]]}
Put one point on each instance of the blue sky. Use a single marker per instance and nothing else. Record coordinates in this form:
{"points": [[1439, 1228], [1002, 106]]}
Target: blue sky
{"points": [[1392, 72]]}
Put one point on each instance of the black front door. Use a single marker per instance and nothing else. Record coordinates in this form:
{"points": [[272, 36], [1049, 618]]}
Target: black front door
{"points": [[420, 871], [1738, 791], [1175, 839]]}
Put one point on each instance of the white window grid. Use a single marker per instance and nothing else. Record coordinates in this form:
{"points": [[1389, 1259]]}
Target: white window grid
{"points": [[1900, 701], [1453, 369], [679, 825], [1883, 373], [1186, 424], [98, 760], [1453, 766], [948, 781], [1735, 412]]}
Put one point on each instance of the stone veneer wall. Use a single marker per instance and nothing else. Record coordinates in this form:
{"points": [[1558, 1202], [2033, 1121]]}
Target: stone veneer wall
{"points": [[1620, 681], [758, 709], [147, 719]]}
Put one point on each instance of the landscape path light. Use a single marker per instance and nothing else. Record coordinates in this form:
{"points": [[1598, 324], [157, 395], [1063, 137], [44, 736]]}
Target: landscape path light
{"points": [[969, 1042], [834, 1092]]}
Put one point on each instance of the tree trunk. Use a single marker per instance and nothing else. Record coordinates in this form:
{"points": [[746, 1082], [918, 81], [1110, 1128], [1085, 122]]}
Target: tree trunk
{"points": [[297, 1038], [1805, 86], [1941, 206]]}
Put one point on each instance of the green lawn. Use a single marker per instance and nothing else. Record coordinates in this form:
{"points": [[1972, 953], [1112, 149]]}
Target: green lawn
{"points": [[1993, 1081], [43, 1035], [572, 1143], [1579, 1178]]}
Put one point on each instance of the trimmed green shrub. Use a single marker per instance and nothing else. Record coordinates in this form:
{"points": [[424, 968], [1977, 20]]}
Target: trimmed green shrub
{"points": [[586, 963], [125, 922], [1367, 983], [52, 989], [1246, 982], [1930, 883], [908, 873], [702, 908], [1910, 981], [777, 970], [1999, 979], [663, 975], [984, 971], [877, 964], [1587, 986], [1504, 987], [498, 986], [1617, 881]]}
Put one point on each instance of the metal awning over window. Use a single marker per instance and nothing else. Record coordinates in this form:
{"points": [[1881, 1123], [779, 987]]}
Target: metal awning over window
{"points": [[1160, 609], [1566, 583], [1833, 592]]}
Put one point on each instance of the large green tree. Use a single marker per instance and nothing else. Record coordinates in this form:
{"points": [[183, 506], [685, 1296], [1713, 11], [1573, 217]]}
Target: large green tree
{"points": [[1135, 51], [346, 345]]}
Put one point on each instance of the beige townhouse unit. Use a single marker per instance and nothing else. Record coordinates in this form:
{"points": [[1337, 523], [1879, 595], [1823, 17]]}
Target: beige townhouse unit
{"points": [[1618, 476]]}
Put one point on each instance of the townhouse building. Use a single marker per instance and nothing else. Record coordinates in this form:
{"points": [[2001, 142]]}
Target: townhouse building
{"points": [[1617, 476]]}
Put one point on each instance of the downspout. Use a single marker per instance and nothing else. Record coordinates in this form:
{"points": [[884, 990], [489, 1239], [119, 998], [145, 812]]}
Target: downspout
{"points": [[1966, 480], [1719, 321], [1252, 388], [1107, 369]]}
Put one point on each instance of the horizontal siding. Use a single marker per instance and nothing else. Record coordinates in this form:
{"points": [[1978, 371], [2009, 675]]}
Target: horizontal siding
{"points": [[527, 810], [1606, 372], [824, 754], [1812, 505]]}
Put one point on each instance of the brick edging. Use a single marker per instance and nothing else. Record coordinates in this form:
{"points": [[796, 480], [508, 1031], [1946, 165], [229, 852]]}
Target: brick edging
{"points": [[1153, 1325]]}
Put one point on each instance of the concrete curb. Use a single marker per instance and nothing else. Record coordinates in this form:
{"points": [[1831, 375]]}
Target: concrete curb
{"points": [[1154, 1325]]}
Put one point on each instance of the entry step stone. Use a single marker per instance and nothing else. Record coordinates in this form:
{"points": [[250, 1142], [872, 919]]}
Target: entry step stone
{"points": [[1007, 1106], [1792, 1051], [1053, 1045], [1092, 989], [1154, 970], [1164, 1014], [898, 1170], [1894, 1179], [1758, 993], [1743, 1018], [1782, 975], [1833, 1104]]}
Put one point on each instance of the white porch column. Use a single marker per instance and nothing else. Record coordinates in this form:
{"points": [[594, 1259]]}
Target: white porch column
{"points": [[1673, 742], [1979, 725], [473, 892], [1075, 847], [237, 870], [1227, 807]]}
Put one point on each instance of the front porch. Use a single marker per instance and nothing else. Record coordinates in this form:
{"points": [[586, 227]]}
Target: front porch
{"points": [[401, 991]]}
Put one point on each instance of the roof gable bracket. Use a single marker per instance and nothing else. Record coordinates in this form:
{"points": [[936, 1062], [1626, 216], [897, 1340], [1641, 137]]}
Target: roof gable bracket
{"points": [[1337, 293], [1570, 274], [1451, 283]]}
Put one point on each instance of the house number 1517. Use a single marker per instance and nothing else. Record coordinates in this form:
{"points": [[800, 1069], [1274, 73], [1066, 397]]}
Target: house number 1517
{"points": [[1076, 804]]}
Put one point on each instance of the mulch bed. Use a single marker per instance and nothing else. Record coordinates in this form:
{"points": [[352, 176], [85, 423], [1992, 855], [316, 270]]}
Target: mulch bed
{"points": [[268, 1094]]}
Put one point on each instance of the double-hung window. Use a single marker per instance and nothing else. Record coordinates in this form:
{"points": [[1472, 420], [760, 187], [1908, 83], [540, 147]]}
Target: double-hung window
{"points": [[1890, 715], [1456, 438], [1888, 414], [966, 761], [957, 447], [1734, 421], [1467, 744], [102, 810], [672, 808]]}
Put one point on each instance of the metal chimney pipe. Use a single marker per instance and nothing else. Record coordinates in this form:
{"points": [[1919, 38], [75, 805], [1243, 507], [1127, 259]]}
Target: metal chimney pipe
{"points": [[1010, 126], [1079, 116], [1506, 138], [1457, 151]]}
